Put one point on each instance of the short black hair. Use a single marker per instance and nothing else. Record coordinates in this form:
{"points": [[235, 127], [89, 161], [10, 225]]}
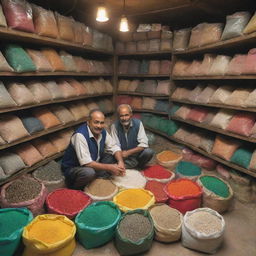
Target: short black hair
{"points": [[93, 111]]}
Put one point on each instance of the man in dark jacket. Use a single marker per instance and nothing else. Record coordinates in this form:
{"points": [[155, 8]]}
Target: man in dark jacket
{"points": [[129, 134], [86, 159]]}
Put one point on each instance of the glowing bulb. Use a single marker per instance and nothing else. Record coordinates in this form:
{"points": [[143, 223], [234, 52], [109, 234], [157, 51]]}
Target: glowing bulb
{"points": [[124, 24], [102, 15]]}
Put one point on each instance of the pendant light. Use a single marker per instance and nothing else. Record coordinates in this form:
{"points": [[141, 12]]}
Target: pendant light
{"points": [[102, 15], [124, 27]]}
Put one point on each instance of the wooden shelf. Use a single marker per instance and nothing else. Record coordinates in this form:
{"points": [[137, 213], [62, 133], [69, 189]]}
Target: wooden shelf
{"points": [[218, 159], [45, 132], [20, 36], [53, 102], [158, 96], [241, 77], [150, 111], [156, 53], [142, 75], [6, 74], [214, 105], [221, 45], [214, 129], [31, 168]]}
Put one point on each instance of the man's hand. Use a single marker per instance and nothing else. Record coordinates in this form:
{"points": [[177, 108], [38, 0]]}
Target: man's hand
{"points": [[121, 164], [116, 170], [125, 154]]}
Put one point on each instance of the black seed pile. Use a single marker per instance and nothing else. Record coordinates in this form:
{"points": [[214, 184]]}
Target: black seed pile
{"points": [[49, 172]]}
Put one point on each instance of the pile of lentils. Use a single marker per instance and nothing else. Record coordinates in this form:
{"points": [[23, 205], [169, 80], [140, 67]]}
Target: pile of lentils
{"points": [[49, 172], [134, 227], [22, 189]]}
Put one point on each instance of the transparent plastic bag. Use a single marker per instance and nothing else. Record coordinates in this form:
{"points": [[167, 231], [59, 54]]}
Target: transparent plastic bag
{"points": [[181, 39], [235, 25], [123, 85], [194, 68], [196, 35], [2, 18], [206, 64], [87, 36], [163, 87], [81, 64], [193, 95], [4, 66], [207, 92], [143, 46], [148, 103], [130, 47], [67, 90], [180, 68], [120, 47], [154, 45], [54, 89], [183, 112], [222, 119], [54, 59], [197, 114], [134, 67], [139, 36], [181, 93], [154, 67], [220, 65], [222, 94], [211, 33], [166, 44], [249, 65], [251, 100], [65, 27], [40, 92], [68, 61], [251, 26], [236, 65], [238, 97], [123, 66], [78, 32], [133, 85], [6, 101], [165, 67]]}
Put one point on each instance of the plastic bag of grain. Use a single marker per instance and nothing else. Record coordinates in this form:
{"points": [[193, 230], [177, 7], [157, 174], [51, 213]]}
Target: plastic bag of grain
{"points": [[207, 142], [193, 138], [136, 102], [65, 27], [238, 97], [31, 124], [59, 142], [252, 165], [206, 64], [81, 64], [210, 116], [222, 118], [78, 32], [134, 233], [123, 85], [49, 234], [154, 67], [206, 94], [143, 46], [119, 46], [183, 112], [144, 67], [101, 190], [251, 26], [167, 223], [24, 192], [68, 61], [194, 68], [224, 172], [47, 118], [79, 88], [67, 90], [44, 22], [130, 47], [162, 106], [54, 59], [154, 45], [138, 36], [62, 113], [203, 230], [249, 65], [133, 85], [196, 34], [181, 39], [180, 68], [5, 98], [182, 133], [2, 141], [220, 65], [217, 193], [46, 148], [197, 114], [203, 162], [236, 65], [40, 93], [222, 94], [123, 66], [158, 173], [165, 67], [225, 147], [95, 229], [134, 66], [163, 87], [148, 103], [211, 33], [4, 66], [181, 93], [251, 100], [18, 59], [165, 44], [242, 156], [242, 123], [11, 128], [235, 25], [18, 15], [87, 35], [2, 18], [54, 89]]}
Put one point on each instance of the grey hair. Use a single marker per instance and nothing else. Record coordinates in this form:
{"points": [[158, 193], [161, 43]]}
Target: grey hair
{"points": [[94, 111], [124, 106]]}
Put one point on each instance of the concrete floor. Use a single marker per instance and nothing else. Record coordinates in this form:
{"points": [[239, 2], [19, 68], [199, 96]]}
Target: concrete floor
{"points": [[240, 231]]}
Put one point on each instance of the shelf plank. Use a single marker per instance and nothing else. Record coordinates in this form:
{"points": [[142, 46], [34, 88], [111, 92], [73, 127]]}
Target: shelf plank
{"points": [[45, 132], [143, 75], [218, 159], [20, 36], [27, 74], [31, 168], [54, 102], [214, 129], [150, 111], [158, 96], [227, 44], [241, 77], [155, 53], [213, 105]]}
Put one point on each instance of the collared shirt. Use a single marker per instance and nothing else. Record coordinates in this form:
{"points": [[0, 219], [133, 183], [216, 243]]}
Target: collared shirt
{"points": [[82, 150], [142, 137]]}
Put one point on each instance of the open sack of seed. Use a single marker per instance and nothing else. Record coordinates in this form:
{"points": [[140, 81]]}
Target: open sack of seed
{"points": [[217, 193], [167, 222], [24, 192], [203, 230], [168, 159]]}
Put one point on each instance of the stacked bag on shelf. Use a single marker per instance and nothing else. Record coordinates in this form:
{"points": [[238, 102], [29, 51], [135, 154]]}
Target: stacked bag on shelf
{"points": [[150, 67], [17, 59], [23, 16], [237, 24], [148, 38]]}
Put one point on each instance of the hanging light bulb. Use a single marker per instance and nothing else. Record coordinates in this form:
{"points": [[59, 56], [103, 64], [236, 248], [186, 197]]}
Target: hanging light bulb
{"points": [[124, 22], [102, 15]]}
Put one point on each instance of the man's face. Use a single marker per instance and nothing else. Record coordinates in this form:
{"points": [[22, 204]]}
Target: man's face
{"points": [[97, 123], [125, 116]]}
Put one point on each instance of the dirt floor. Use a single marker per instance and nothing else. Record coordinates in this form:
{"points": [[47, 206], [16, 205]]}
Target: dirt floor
{"points": [[240, 231]]}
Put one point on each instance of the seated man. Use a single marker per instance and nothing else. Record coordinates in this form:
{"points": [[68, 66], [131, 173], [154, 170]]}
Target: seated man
{"points": [[130, 135], [85, 160]]}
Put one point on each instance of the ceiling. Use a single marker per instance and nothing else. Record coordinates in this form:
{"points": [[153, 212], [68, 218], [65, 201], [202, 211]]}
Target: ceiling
{"points": [[176, 13]]}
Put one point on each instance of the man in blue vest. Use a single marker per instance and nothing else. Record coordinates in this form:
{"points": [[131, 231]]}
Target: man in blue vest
{"points": [[129, 134], [86, 159]]}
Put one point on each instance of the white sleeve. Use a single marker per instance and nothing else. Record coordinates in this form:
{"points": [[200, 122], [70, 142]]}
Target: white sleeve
{"points": [[142, 137], [81, 147], [110, 145], [114, 135]]}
